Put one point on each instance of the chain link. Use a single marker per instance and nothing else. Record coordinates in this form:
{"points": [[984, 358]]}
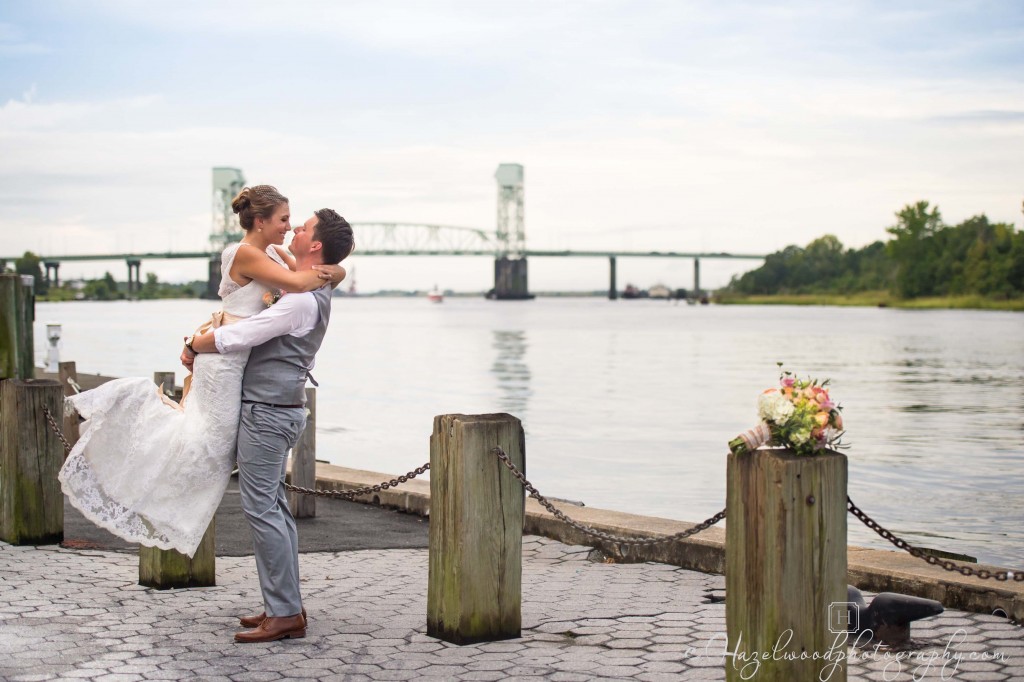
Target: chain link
{"points": [[500, 454], [356, 492], [617, 539], [57, 430], [982, 573]]}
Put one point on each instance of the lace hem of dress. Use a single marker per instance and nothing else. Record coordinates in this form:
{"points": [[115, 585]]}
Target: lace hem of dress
{"points": [[147, 472], [82, 485]]}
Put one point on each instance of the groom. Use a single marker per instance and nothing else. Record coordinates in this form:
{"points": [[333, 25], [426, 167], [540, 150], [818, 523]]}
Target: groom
{"points": [[284, 339]]}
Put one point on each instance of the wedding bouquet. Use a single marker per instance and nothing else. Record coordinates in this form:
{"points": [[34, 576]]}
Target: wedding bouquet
{"points": [[798, 415]]}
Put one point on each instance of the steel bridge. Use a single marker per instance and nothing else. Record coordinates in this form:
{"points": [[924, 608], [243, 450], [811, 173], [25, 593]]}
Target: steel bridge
{"points": [[401, 239]]}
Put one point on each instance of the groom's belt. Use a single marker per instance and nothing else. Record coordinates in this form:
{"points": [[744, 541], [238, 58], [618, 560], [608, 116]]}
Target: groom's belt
{"points": [[257, 402]]}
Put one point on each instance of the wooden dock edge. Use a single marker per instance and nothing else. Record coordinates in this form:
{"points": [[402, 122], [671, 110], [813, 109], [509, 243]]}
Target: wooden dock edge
{"points": [[868, 569]]}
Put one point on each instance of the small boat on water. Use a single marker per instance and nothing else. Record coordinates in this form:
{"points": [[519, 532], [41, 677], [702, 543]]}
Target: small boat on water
{"points": [[631, 292], [659, 291], [435, 295]]}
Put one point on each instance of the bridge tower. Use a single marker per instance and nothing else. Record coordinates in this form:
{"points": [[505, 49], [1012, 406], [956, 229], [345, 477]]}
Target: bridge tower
{"points": [[510, 280], [227, 183]]}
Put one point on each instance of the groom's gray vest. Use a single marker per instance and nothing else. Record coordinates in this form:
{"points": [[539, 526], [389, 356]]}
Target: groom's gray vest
{"points": [[277, 370]]}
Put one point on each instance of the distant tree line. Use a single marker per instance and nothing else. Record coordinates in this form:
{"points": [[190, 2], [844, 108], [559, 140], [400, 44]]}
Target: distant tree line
{"points": [[103, 289], [924, 257]]}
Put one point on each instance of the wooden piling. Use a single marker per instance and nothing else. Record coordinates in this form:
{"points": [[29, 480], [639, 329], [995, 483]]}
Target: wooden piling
{"points": [[68, 373], [785, 554], [303, 472], [17, 313], [166, 568], [31, 455], [476, 528]]}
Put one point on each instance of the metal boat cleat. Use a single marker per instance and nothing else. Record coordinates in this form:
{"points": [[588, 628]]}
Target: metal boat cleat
{"points": [[889, 616]]}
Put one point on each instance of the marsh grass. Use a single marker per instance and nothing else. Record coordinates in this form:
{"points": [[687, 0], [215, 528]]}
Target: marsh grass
{"points": [[877, 298]]}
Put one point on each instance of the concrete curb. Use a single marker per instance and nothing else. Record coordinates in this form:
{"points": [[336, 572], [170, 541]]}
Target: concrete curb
{"points": [[868, 569]]}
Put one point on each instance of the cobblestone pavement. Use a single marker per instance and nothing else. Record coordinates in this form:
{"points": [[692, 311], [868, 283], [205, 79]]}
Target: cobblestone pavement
{"points": [[69, 614]]}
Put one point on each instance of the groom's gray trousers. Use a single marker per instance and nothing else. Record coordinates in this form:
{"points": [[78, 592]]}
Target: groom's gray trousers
{"points": [[265, 434]]}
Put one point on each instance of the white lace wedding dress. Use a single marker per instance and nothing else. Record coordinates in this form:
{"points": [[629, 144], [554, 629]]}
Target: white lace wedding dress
{"points": [[151, 471]]}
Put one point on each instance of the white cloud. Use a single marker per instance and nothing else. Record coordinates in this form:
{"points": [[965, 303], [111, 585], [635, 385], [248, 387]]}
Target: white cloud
{"points": [[13, 42], [674, 126], [28, 115], [424, 28], [668, 184]]}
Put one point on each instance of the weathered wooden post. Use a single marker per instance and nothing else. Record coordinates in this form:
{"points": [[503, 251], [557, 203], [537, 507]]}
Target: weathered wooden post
{"points": [[785, 554], [474, 584], [31, 454], [167, 568], [68, 378], [303, 472], [17, 313]]}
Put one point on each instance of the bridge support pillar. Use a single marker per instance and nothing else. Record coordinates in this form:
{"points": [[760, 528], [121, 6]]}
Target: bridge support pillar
{"points": [[213, 278], [55, 267], [134, 278], [510, 281], [696, 279], [613, 292]]}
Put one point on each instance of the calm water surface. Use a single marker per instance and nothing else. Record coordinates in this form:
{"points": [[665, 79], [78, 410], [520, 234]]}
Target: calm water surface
{"points": [[628, 405]]}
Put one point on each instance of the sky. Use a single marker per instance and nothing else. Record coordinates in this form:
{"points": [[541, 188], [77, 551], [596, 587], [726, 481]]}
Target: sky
{"points": [[641, 125]]}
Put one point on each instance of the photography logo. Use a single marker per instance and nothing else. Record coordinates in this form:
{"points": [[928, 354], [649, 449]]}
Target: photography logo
{"points": [[843, 616]]}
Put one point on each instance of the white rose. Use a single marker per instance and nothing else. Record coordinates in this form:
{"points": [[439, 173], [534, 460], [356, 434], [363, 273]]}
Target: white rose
{"points": [[774, 407]]}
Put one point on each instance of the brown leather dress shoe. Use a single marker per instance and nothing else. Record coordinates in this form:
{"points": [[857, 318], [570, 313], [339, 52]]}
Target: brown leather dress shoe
{"points": [[254, 621], [274, 628]]}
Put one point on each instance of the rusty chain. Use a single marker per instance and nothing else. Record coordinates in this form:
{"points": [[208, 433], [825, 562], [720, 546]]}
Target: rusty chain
{"points": [[618, 539], [356, 492], [983, 574], [56, 429]]}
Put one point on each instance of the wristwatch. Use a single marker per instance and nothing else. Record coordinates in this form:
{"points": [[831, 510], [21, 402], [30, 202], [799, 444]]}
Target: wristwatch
{"points": [[188, 344]]}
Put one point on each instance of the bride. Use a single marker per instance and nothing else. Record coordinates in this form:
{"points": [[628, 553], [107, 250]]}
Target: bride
{"points": [[153, 471]]}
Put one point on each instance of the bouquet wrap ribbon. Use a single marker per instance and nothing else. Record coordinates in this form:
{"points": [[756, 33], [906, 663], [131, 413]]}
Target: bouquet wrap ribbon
{"points": [[756, 437]]}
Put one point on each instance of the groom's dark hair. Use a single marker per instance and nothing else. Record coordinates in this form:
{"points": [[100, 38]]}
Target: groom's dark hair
{"points": [[334, 234]]}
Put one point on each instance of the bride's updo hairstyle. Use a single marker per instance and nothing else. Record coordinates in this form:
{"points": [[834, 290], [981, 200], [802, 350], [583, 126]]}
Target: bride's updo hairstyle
{"points": [[258, 201]]}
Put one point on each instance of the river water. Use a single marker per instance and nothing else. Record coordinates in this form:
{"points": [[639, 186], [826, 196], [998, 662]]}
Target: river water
{"points": [[628, 405]]}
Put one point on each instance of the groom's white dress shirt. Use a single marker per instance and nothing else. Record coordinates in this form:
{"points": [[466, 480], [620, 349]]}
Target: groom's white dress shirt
{"points": [[294, 314]]}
